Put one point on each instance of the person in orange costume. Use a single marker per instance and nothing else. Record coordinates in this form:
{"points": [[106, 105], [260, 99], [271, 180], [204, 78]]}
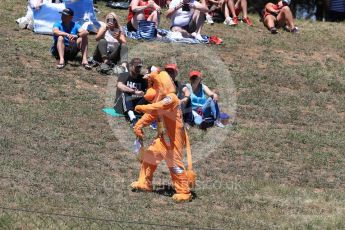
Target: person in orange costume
{"points": [[169, 144]]}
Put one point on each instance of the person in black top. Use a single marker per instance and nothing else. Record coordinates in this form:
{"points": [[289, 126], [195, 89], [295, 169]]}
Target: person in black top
{"points": [[131, 88], [182, 93]]}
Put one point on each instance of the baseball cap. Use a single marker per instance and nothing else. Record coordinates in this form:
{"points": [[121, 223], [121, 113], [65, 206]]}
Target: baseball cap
{"points": [[171, 66], [287, 2], [194, 73], [136, 62], [67, 11]]}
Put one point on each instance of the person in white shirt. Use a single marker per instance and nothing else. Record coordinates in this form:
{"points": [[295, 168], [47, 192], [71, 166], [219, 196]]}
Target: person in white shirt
{"points": [[111, 47], [28, 20], [187, 17]]}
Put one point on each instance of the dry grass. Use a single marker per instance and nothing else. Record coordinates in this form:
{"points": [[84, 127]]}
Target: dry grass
{"points": [[282, 166]]}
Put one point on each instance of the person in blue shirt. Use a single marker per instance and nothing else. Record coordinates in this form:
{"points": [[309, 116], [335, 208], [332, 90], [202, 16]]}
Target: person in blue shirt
{"points": [[69, 39], [203, 100]]}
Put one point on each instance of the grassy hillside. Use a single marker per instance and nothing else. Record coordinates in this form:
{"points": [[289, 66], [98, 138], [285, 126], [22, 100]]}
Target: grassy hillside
{"points": [[281, 166]]}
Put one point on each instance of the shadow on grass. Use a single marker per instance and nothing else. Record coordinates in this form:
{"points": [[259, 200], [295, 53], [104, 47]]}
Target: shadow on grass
{"points": [[166, 190]]}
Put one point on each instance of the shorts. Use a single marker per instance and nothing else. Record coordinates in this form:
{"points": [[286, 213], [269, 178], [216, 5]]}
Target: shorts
{"points": [[190, 28], [217, 16], [71, 51], [130, 27]]}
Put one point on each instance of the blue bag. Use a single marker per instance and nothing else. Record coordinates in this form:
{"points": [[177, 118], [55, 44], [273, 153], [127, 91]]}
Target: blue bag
{"points": [[147, 30]]}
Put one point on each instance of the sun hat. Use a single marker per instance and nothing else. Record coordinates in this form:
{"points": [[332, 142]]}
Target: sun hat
{"points": [[194, 73], [171, 66]]}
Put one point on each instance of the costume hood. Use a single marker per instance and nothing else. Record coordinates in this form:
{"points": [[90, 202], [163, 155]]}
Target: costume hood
{"points": [[161, 85]]}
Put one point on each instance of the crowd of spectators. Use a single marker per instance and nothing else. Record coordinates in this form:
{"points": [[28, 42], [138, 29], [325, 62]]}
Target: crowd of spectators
{"points": [[198, 102]]}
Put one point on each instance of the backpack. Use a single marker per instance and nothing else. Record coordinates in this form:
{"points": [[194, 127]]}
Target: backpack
{"points": [[206, 123]]}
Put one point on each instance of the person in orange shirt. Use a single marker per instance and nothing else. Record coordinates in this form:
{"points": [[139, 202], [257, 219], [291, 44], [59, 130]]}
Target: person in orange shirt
{"points": [[279, 15], [170, 140], [142, 10]]}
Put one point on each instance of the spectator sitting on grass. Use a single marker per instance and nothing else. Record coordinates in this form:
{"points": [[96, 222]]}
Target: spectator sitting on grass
{"points": [[204, 101], [279, 15], [131, 88], [187, 17], [142, 10], [218, 11], [236, 9], [182, 93], [69, 39], [111, 47]]}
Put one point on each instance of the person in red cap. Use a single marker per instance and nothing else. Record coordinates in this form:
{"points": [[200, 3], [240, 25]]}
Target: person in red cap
{"points": [[203, 100], [182, 93], [172, 70]]}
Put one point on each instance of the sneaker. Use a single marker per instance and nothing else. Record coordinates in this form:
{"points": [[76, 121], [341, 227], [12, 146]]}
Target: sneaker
{"points": [[219, 124], [294, 30], [234, 21], [209, 20], [228, 21], [247, 21], [273, 30], [198, 37]]}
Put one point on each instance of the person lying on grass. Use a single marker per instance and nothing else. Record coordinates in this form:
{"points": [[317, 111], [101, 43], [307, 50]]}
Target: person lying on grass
{"points": [[69, 39], [279, 15]]}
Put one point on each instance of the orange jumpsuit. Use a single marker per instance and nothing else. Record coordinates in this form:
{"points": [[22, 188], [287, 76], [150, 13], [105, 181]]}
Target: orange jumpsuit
{"points": [[167, 146]]}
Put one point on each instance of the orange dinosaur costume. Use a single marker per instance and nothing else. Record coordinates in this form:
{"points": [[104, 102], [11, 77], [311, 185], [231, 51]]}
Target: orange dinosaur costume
{"points": [[168, 145]]}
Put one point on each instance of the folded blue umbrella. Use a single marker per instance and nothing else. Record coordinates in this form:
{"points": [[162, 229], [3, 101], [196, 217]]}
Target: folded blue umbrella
{"points": [[112, 112]]}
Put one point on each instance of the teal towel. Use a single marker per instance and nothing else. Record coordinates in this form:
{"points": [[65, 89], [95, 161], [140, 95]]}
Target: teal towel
{"points": [[112, 112]]}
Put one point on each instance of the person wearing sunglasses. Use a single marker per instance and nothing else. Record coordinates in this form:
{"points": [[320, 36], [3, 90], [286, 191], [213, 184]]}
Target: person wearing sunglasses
{"points": [[111, 48], [279, 15], [131, 87]]}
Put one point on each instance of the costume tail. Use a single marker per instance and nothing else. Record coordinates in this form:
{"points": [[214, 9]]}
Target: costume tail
{"points": [[191, 175]]}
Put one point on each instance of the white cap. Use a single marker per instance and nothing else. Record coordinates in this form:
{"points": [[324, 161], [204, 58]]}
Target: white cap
{"points": [[153, 68]]}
